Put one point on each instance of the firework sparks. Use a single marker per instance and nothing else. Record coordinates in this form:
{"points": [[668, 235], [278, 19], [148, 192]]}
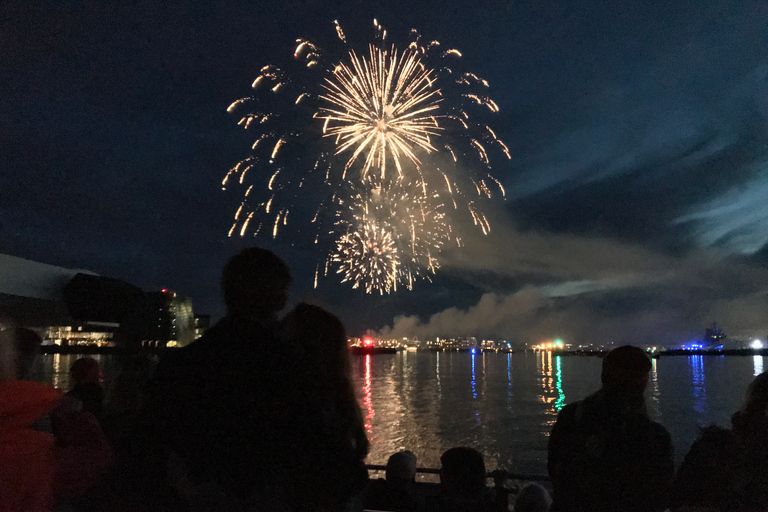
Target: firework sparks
{"points": [[381, 105], [368, 148], [413, 219], [368, 257]]}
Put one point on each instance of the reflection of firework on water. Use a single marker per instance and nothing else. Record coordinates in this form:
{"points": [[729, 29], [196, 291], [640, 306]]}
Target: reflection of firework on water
{"points": [[324, 122], [414, 220]]}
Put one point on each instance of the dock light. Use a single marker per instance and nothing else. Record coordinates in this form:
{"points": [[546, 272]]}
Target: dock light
{"points": [[368, 342], [757, 344], [558, 343]]}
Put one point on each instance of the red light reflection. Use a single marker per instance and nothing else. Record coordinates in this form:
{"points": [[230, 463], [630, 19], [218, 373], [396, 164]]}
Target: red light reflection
{"points": [[367, 401]]}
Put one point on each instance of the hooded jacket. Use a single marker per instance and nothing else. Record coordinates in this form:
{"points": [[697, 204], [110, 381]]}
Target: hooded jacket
{"points": [[26, 455]]}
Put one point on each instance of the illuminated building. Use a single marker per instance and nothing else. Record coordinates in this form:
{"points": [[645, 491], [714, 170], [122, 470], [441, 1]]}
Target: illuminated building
{"points": [[70, 307], [174, 324], [202, 324]]}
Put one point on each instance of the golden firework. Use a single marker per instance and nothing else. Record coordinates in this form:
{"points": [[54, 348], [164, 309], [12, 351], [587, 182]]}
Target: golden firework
{"points": [[381, 105]]}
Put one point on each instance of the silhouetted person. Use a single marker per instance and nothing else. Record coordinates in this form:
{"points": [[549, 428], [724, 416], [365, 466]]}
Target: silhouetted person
{"points": [[123, 483], [329, 441], [213, 403], [462, 484], [87, 377], [397, 490], [727, 470], [27, 466], [533, 498], [126, 399], [605, 453], [42, 463]]}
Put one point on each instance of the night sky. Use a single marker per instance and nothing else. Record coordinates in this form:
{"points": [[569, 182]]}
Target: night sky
{"points": [[637, 192]]}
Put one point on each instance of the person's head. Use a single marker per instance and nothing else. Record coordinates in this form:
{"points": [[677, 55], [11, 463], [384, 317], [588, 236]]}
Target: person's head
{"points": [[625, 370], [533, 498], [18, 347], [255, 283], [129, 387], [756, 403], [401, 468], [320, 334], [462, 472], [86, 370]]}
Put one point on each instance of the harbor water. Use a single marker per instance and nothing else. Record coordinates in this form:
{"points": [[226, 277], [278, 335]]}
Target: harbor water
{"points": [[504, 405]]}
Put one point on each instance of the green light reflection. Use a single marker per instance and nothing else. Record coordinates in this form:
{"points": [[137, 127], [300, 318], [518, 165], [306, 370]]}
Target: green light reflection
{"points": [[560, 402]]}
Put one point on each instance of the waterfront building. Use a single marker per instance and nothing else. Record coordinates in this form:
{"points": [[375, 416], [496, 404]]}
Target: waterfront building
{"points": [[202, 324], [73, 307], [100, 334], [175, 322]]}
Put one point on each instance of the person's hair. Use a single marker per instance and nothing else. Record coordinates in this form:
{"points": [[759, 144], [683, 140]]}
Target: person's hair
{"points": [[757, 396], [401, 466], [129, 387], [623, 364], [20, 347], [463, 471], [86, 370], [323, 339], [533, 498], [254, 283]]}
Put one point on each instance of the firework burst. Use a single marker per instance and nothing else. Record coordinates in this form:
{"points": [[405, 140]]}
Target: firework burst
{"points": [[346, 140], [368, 258], [409, 214], [382, 106]]}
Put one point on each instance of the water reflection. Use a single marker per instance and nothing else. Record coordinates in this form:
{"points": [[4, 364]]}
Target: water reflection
{"points": [[57, 371], [474, 382], [545, 370], [655, 393], [757, 361], [550, 395], [367, 400], [697, 380], [424, 402], [560, 401]]}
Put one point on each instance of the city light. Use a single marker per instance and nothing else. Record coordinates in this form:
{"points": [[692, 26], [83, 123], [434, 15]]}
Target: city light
{"points": [[757, 344]]}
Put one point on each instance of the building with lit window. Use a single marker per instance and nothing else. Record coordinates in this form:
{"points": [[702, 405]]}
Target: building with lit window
{"points": [[202, 324], [70, 307]]}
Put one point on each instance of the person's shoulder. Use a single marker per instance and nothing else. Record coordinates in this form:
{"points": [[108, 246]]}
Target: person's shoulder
{"points": [[659, 431], [714, 436], [570, 411]]}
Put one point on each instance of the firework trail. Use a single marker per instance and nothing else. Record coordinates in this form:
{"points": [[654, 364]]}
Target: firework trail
{"points": [[345, 132]]}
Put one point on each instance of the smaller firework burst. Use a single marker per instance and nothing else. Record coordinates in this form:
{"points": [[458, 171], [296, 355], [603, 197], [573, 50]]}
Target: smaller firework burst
{"points": [[368, 258], [409, 214]]}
